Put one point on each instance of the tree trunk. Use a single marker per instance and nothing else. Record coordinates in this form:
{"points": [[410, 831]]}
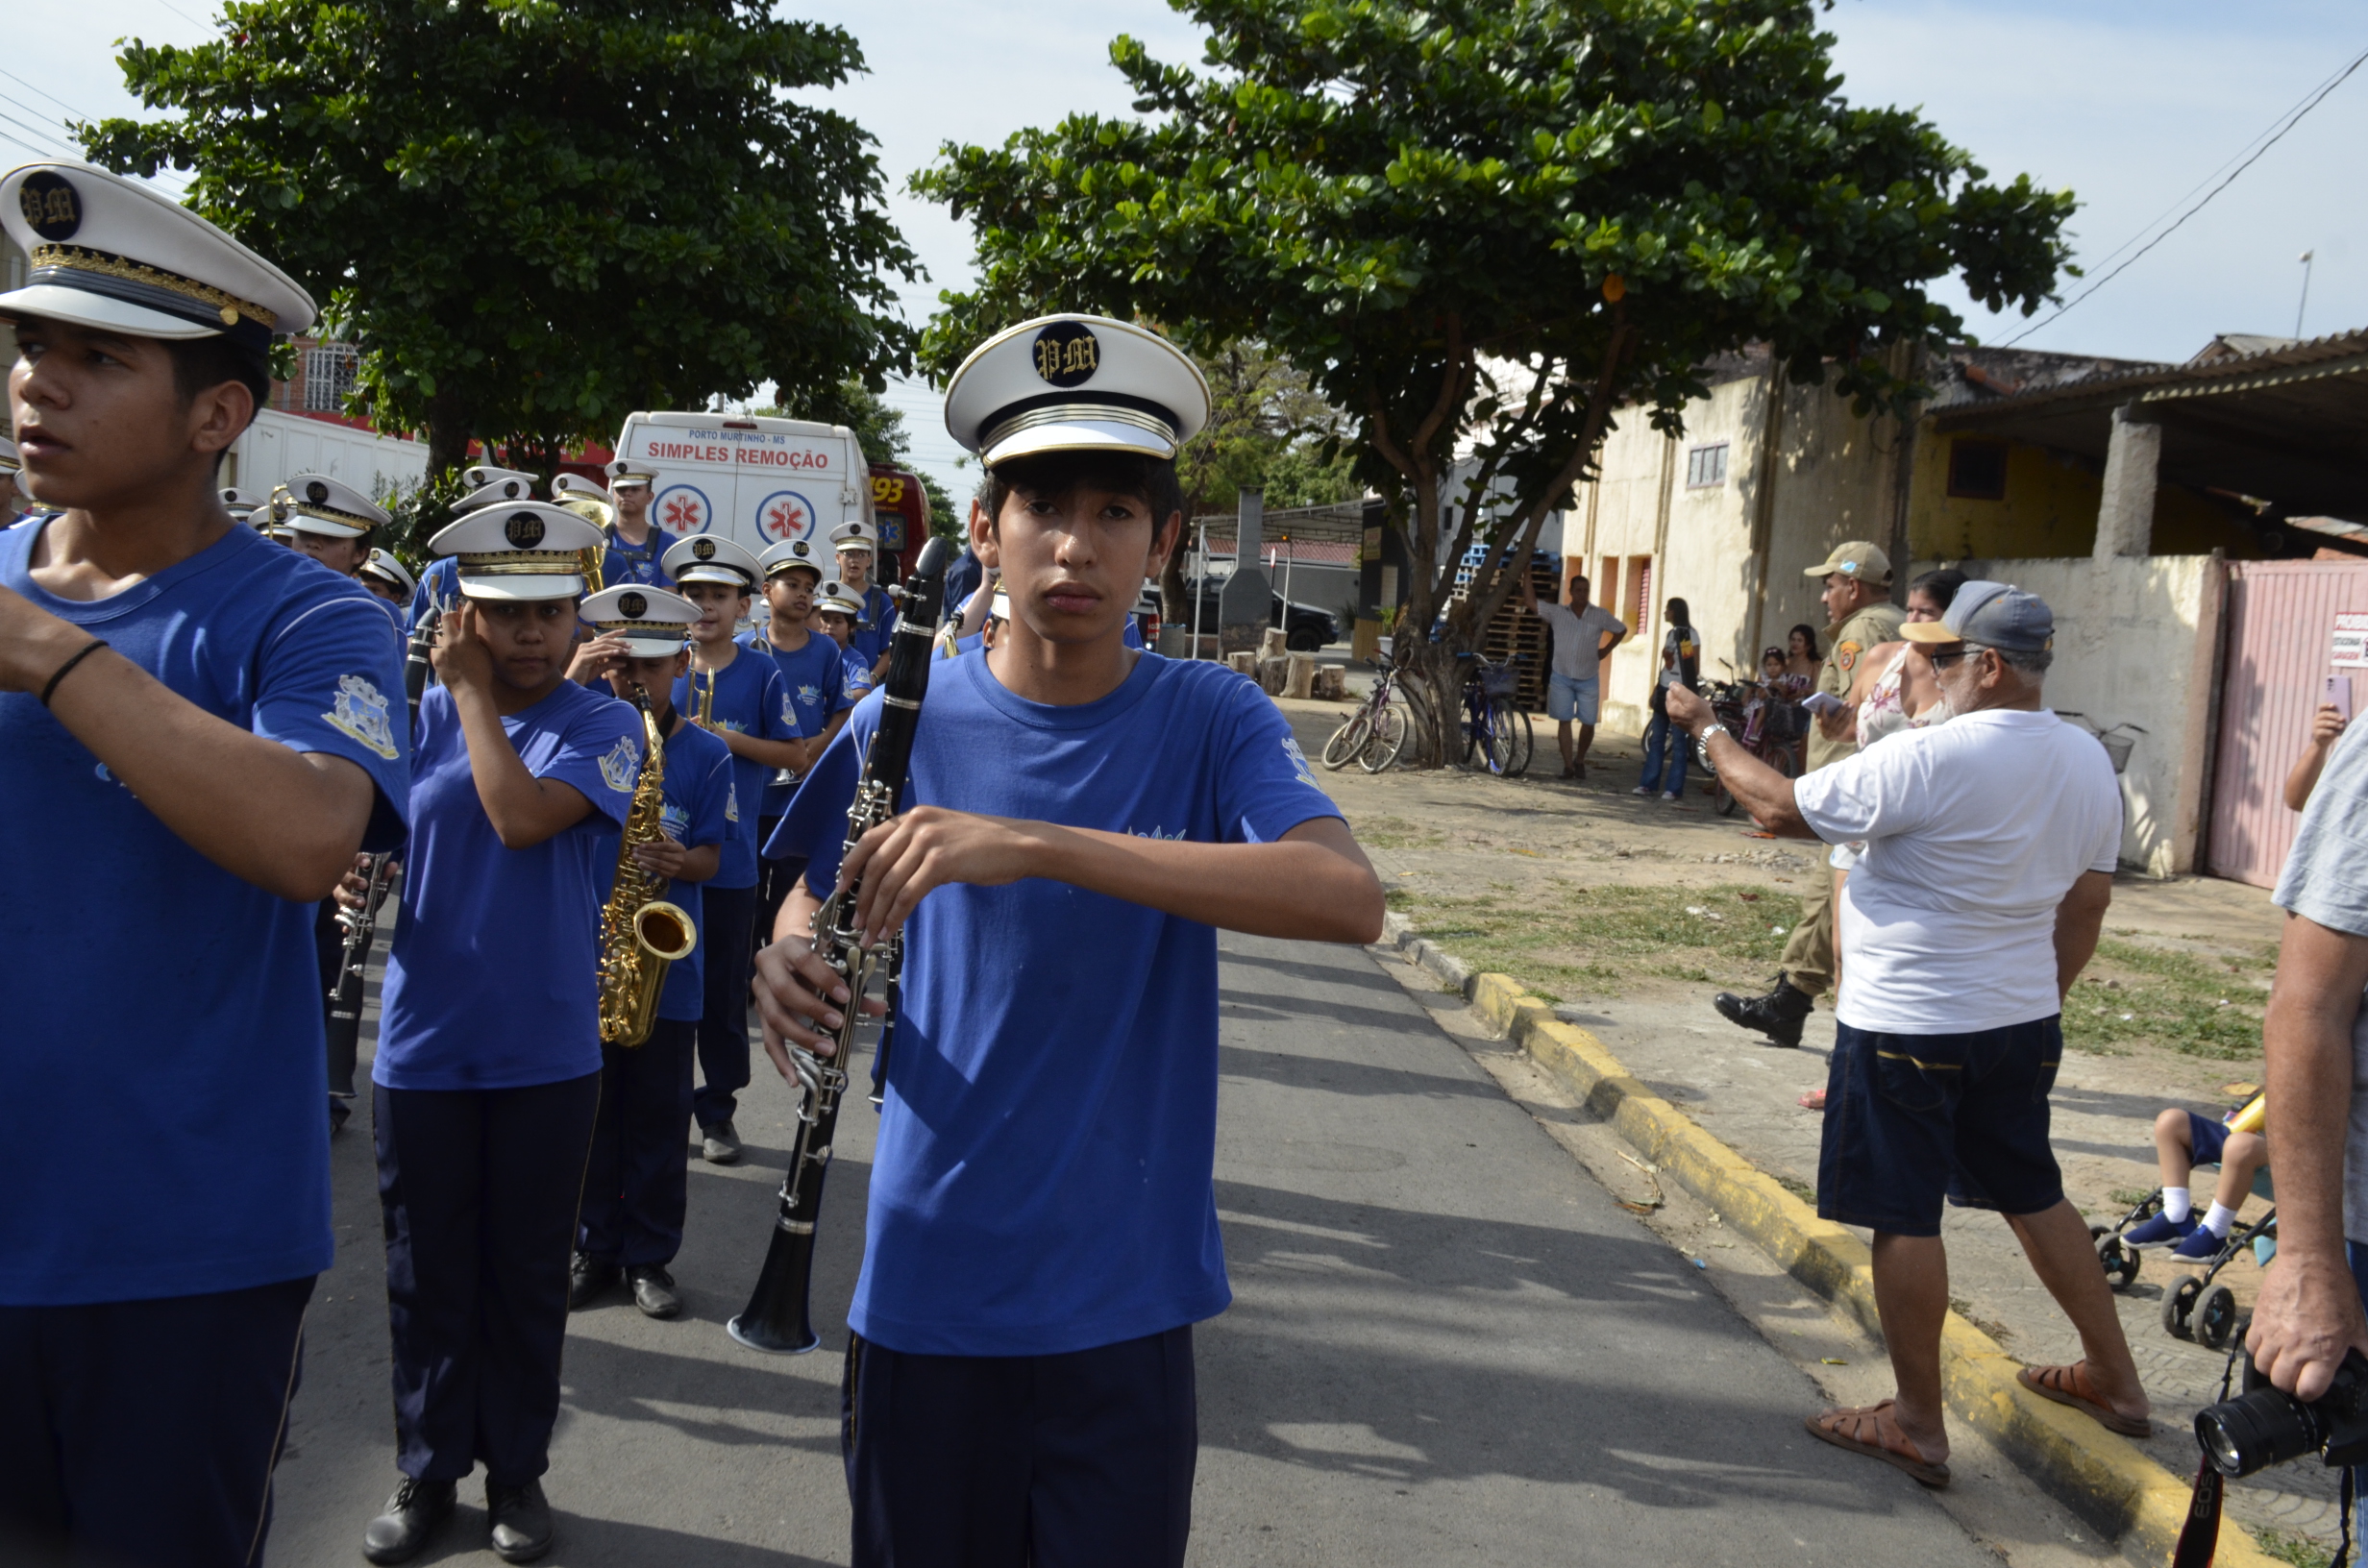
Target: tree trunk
{"points": [[1176, 607], [449, 434]]}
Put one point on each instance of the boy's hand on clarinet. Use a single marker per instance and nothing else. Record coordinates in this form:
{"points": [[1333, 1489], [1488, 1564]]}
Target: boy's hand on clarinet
{"points": [[928, 847], [800, 998]]}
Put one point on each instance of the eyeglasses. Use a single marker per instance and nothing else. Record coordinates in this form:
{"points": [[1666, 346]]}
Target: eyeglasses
{"points": [[1942, 661]]}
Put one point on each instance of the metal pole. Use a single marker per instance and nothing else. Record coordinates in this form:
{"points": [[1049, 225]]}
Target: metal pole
{"points": [[1201, 584], [2299, 308]]}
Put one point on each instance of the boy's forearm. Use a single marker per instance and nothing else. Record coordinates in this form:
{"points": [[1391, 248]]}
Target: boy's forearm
{"points": [[1314, 884], [522, 810]]}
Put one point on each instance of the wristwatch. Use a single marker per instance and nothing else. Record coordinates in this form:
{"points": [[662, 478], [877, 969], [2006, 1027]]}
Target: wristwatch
{"points": [[1714, 728]]}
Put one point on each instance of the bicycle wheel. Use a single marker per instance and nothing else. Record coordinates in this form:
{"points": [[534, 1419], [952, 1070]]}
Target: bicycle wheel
{"points": [[1780, 757], [1471, 724], [1348, 740], [1526, 743], [1387, 733], [1503, 741]]}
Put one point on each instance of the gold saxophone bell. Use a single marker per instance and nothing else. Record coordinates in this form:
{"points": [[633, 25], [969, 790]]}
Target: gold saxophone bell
{"points": [[641, 934]]}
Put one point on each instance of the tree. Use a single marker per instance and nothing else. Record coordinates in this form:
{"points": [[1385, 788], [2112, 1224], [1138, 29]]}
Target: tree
{"points": [[880, 429], [1481, 225], [535, 218]]}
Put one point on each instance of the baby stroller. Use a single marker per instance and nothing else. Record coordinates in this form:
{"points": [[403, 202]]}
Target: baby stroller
{"points": [[2198, 1309]]}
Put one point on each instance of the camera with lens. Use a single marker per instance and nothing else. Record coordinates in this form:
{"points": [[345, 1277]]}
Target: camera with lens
{"points": [[2265, 1424]]}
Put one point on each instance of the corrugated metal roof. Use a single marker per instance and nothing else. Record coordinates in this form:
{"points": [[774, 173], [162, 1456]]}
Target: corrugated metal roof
{"points": [[2339, 354]]}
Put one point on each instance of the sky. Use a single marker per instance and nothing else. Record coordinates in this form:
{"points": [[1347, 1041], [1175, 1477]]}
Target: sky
{"points": [[2131, 104]]}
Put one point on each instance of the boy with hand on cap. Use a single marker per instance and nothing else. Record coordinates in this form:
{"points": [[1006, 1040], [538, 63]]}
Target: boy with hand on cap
{"points": [[635, 1188], [1042, 1222], [815, 673], [198, 733], [386, 576], [741, 699], [835, 611], [636, 547], [488, 1072]]}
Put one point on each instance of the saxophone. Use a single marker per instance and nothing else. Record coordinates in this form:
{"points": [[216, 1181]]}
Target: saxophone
{"points": [[641, 934]]}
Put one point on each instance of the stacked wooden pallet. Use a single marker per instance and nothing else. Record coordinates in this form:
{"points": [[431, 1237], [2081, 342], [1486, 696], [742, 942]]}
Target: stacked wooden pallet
{"points": [[1512, 632]]}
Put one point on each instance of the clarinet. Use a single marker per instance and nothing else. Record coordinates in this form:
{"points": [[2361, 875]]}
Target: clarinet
{"points": [[777, 1317], [361, 925]]}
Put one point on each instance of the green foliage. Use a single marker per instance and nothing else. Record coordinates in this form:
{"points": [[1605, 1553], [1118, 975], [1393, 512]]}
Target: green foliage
{"points": [[539, 217], [2299, 1550], [1598, 941], [1481, 225], [1266, 429]]}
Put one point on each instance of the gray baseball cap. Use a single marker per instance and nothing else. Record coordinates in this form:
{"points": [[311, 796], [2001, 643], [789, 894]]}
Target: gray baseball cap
{"points": [[1995, 615]]}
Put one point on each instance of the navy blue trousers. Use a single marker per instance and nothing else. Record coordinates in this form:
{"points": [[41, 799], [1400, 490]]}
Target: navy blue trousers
{"points": [[479, 1190], [636, 1186], [1077, 1461], [725, 917], [139, 1433]]}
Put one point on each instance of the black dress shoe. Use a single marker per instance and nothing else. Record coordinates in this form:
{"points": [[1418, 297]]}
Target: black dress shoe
{"points": [[412, 1516], [588, 1278], [653, 1290], [1778, 1014], [521, 1520]]}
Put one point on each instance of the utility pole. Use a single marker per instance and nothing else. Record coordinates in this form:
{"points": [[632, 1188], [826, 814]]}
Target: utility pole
{"points": [[2305, 259]]}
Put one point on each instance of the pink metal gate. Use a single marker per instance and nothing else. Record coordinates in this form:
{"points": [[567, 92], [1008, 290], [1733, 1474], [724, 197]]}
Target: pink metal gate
{"points": [[2280, 628]]}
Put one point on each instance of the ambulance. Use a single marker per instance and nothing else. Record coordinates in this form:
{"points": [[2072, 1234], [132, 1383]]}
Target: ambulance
{"points": [[752, 479]]}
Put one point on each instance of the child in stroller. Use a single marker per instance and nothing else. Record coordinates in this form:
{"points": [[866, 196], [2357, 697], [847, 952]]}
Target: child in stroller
{"points": [[2183, 1142]]}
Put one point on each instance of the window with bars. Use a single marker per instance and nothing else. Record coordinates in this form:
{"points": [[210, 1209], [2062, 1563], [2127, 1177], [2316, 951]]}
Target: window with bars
{"points": [[328, 376], [1706, 467]]}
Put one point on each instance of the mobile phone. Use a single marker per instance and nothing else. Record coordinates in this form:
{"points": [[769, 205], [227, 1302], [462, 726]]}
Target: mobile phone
{"points": [[2338, 696], [1823, 702]]}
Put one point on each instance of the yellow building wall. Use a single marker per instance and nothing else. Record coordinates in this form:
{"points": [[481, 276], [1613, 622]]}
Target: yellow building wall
{"points": [[2048, 510]]}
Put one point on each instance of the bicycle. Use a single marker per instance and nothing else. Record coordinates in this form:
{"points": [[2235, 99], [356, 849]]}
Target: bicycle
{"points": [[1373, 735], [1495, 730], [1773, 745]]}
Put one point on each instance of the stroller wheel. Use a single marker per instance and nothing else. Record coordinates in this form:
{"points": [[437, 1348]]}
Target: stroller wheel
{"points": [[2178, 1307], [2216, 1318], [2121, 1262]]}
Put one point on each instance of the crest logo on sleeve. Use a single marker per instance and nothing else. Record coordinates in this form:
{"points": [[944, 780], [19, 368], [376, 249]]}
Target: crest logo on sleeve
{"points": [[1068, 354], [51, 206], [524, 530], [622, 765], [360, 711], [731, 802], [1298, 761]]}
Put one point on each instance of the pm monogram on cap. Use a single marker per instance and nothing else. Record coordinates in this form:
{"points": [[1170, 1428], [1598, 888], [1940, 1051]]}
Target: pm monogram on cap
{"points": [[704, 549], [317, 492], [633, 606], [1068, 354], [51, 206], [524, 530]]}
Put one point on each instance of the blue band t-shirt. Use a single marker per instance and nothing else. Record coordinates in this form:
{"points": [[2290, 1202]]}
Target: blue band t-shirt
{"points": [[857, 675], [1042, 1181], [750, 699], [494, 978], [876, 625], [698, 811], [144, 979], [622, 562], [816, 677]]}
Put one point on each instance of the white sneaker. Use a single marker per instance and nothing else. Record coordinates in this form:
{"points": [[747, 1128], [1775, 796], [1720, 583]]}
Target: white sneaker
{"points": [[1668, 795], [1639, 790]]}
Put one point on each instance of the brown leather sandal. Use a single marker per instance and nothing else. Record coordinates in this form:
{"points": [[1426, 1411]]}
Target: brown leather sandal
{"points": [[2069, 1385], [1894, 1447]]}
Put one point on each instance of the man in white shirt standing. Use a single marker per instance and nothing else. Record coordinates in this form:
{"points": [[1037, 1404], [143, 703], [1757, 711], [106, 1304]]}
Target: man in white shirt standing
{"points": [[1992, 842], [1575, 691]]}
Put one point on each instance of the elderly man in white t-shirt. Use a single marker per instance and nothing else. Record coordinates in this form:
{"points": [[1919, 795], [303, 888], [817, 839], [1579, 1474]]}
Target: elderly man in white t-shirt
{"points": [[1991, 848], [1584, 637]]}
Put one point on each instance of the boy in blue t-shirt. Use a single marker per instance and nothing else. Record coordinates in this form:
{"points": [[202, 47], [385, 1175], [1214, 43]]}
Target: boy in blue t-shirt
{"points": [[741, 699], [198, 731], [1042, 1226], [816, 676], [836, 614], [635, 1190]]}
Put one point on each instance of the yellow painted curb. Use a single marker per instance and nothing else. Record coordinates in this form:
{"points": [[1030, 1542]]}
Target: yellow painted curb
{"points": [[2106, 1478]]}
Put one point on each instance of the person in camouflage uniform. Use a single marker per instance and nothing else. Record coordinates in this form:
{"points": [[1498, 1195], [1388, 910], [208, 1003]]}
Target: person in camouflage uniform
{"points": [[1860, 616]]}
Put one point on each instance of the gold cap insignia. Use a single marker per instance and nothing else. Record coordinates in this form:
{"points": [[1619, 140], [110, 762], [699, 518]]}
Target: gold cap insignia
{"points": [[633, 606], [524, 530], [1068, 354], [704, 549]]}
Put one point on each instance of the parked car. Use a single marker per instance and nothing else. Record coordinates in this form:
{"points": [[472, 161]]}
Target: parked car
{"points": [[1147, 616], [1306, 627]]}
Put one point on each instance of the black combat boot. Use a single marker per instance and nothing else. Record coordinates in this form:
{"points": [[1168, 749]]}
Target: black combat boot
{"points": [[521, 1520], [412, 1516], [1778, 1014]]}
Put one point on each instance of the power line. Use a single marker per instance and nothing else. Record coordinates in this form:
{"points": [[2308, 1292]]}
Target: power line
{"points": [[2292, 118]]}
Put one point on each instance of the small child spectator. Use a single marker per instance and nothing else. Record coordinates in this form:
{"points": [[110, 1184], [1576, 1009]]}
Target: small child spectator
{"points": [[2183, 1142]]}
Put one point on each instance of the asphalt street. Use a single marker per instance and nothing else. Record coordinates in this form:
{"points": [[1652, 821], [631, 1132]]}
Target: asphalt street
{"points": [[1447, 1344]]}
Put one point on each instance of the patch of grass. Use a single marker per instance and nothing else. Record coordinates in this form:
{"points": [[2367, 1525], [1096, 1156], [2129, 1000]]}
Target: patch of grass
{"points": [[2299, 1550], [2127, 1197], [2194, 1004], [1396, 833], [1800, 1190], [1594, 941]]}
